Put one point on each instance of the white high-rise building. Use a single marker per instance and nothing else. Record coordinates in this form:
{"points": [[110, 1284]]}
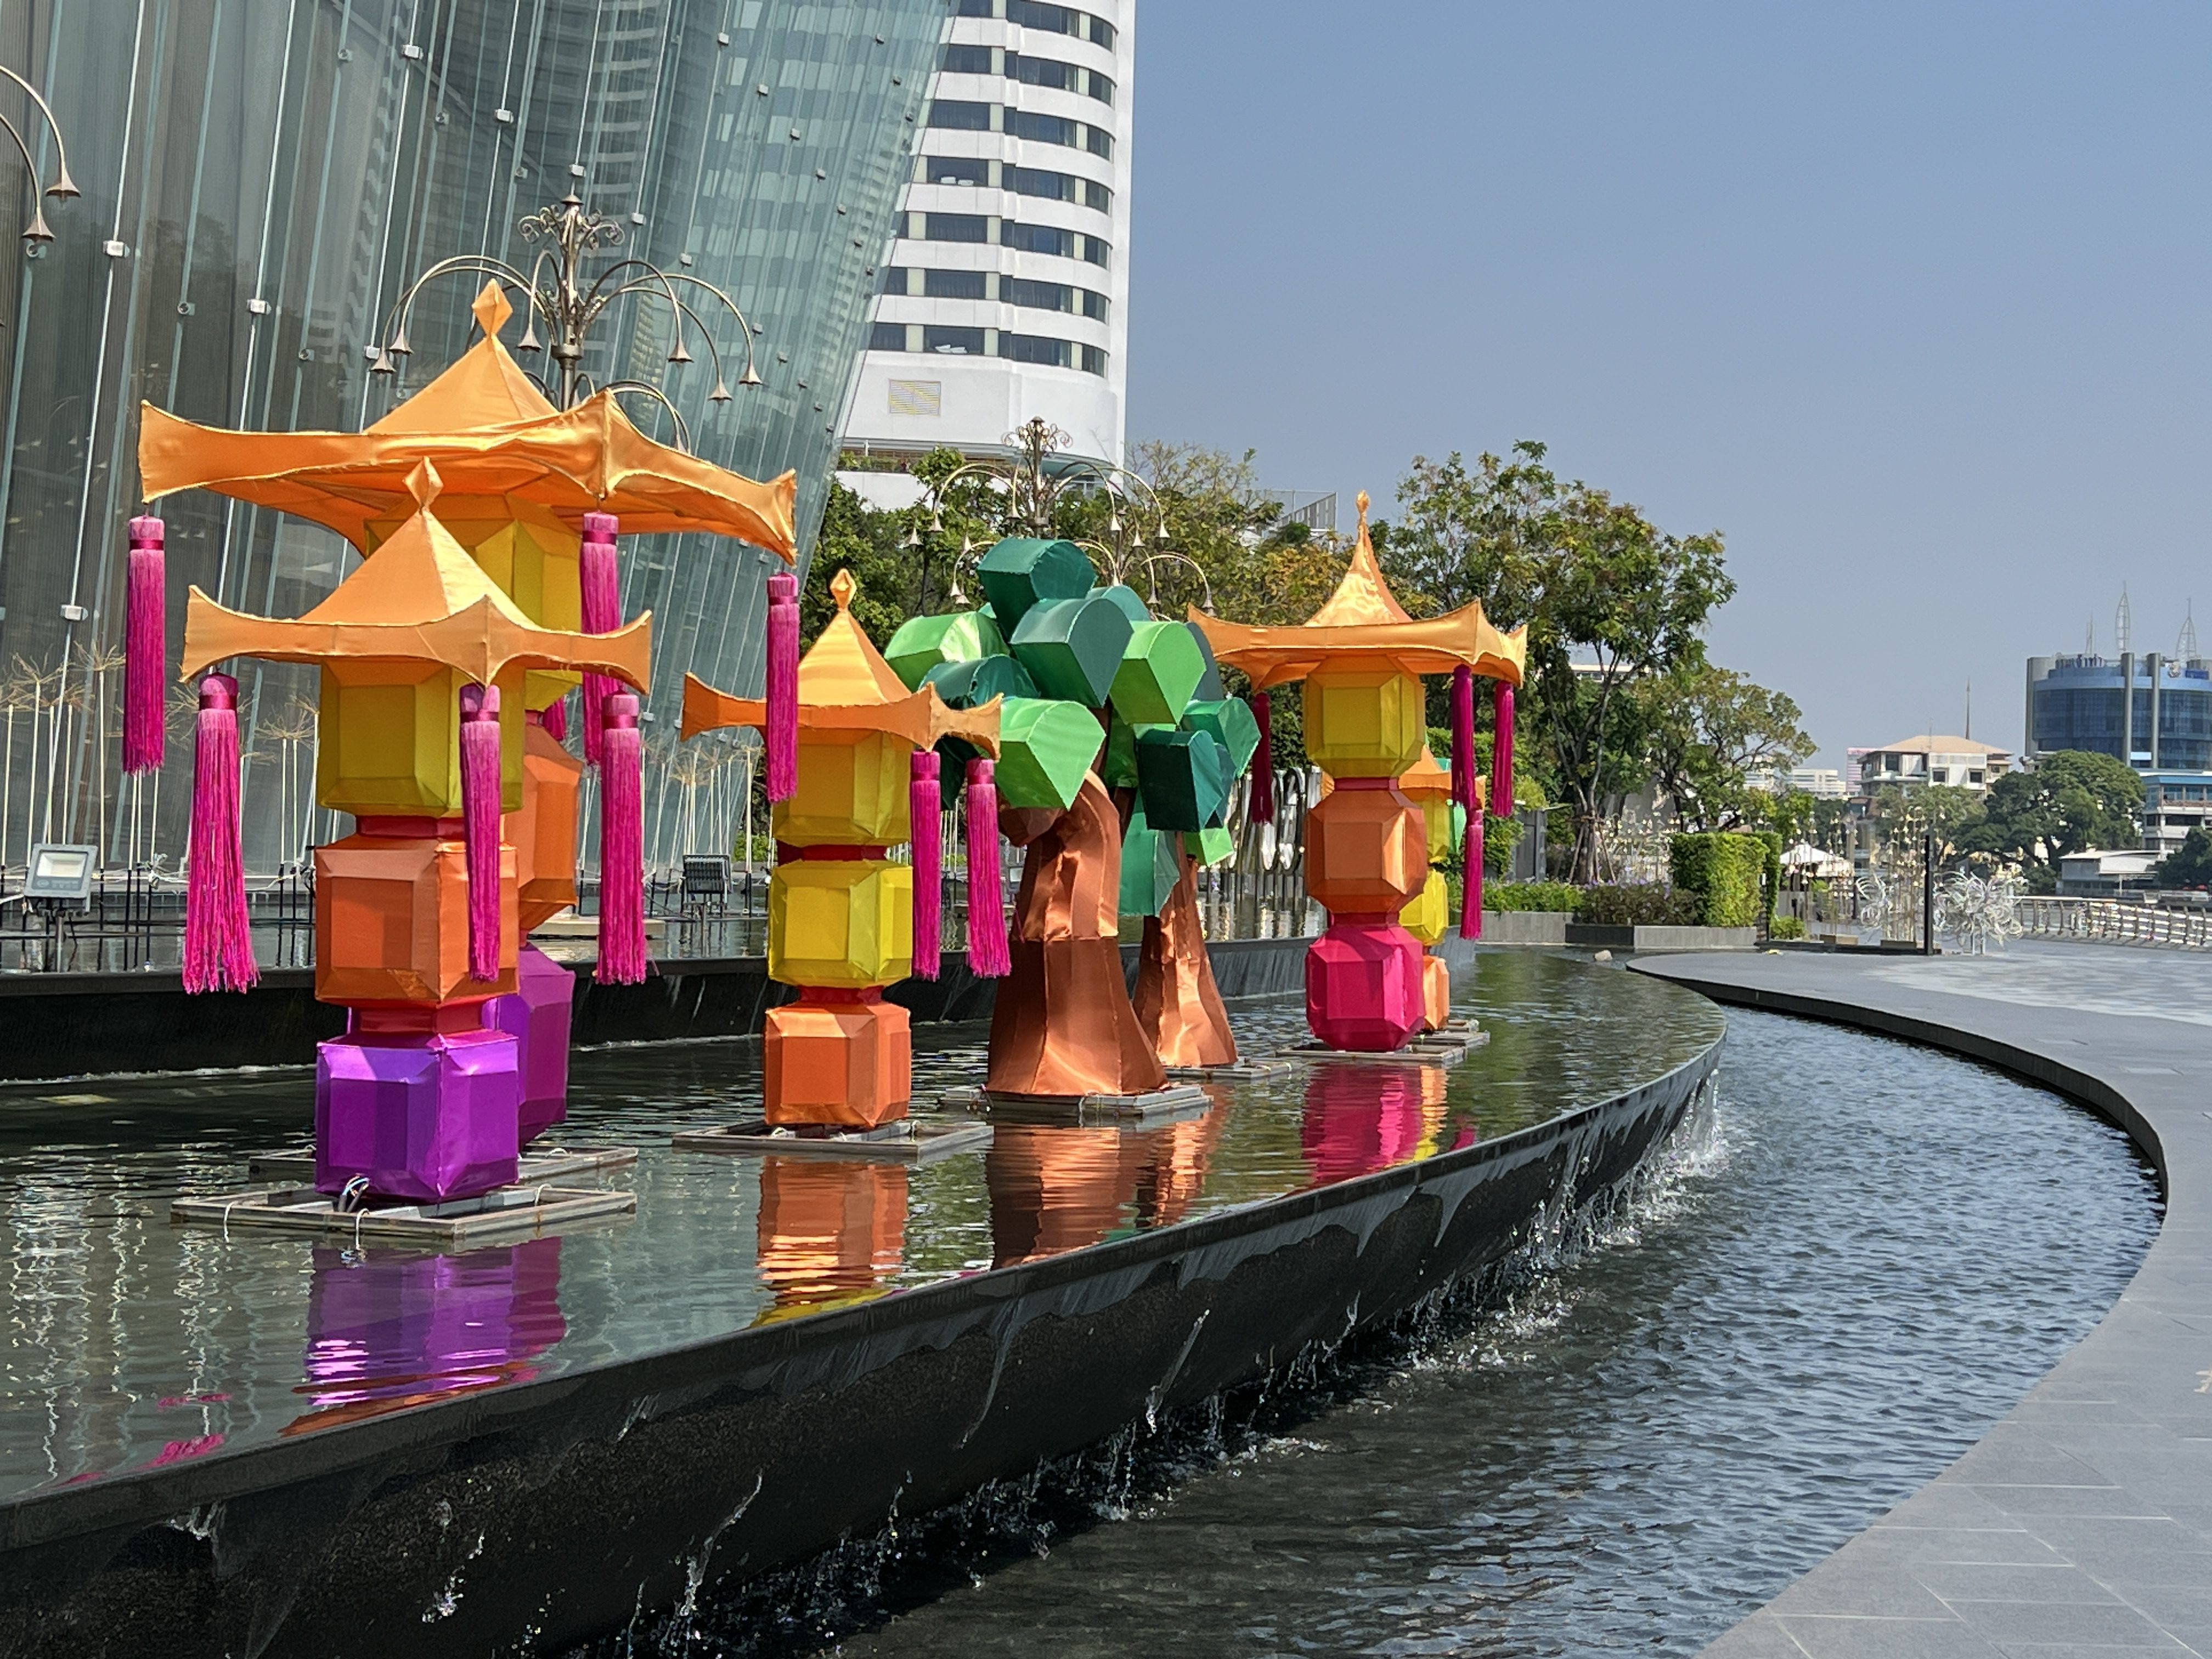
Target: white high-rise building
{"points": [[1003, 297]]}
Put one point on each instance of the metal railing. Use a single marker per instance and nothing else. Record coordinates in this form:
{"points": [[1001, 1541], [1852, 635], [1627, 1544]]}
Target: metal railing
{"points": [[2109, 921]]}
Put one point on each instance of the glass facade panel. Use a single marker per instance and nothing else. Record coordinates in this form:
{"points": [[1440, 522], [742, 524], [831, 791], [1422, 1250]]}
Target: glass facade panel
{"points": [[274, 173]]}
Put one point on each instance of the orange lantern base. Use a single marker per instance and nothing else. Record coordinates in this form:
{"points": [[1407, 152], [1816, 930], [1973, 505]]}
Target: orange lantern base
{"points": [[837, 1059]]}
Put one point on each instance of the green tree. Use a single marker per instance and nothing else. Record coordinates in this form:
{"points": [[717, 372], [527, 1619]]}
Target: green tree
{"points": [[1609, 598], [1711, 731], [2188, 865], [2072, 801], [858, 538]]}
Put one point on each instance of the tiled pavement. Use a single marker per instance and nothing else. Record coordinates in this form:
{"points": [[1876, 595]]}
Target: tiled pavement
{"points": [[2082, 1524]]}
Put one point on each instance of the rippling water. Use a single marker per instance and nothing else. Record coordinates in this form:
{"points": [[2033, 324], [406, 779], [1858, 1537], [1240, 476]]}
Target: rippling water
{"points": [[127, 1343], [1874, 1253]]}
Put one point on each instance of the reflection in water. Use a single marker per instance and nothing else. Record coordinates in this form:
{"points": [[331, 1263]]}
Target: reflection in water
{"points": [[831, 1232], [127, 1338], [389, 1330], [1058, 1187], [1360, 1118]]}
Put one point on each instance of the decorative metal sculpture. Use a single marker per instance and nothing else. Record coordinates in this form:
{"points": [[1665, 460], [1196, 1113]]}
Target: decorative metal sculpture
{"points": [[1119, 751], [1362, 657], [1979, 913], [559, 295], [458, 670], [417, 912], [845, 920]]}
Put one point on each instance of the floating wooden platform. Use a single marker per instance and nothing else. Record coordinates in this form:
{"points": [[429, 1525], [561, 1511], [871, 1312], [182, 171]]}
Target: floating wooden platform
{"points": [[1176, 1100], [1436, 1048], [1244, 1071], [506, 1212], [908, 1140], [539, 1166]]}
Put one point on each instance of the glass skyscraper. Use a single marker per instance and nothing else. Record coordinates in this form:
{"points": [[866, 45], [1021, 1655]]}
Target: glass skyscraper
{"points": [[262, 180]]}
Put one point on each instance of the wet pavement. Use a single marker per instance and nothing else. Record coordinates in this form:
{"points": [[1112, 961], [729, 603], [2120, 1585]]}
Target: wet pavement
{"points": [[2081, 1523]]}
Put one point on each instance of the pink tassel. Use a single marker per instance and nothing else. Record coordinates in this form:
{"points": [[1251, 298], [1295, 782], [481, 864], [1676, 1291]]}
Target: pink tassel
{"points": [[1470, 910], [1263, 762], [924, 810], [623, 959], [601, 580], [480, 816], [218, 933], [145, 649], [554, 719], [990, 956], [1463, 756], [1501, 753], [782, 685]]}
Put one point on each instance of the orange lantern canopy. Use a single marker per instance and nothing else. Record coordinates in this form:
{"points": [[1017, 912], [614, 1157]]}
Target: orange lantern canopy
{"points": [[498, 445]]}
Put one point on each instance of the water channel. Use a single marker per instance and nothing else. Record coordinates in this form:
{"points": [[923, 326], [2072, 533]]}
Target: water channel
{"points": [[1863, 1257], [1866, 1259]]}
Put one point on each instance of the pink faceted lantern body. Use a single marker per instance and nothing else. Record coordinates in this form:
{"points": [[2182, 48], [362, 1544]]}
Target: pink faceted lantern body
{"points": [[1365, 987]]}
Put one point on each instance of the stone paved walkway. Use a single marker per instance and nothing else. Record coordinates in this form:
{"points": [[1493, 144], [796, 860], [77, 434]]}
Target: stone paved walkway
{"points": [[2082, 1524]]}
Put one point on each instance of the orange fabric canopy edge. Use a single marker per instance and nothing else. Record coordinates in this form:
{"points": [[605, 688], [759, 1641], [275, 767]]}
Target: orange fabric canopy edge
{"points": [[845, 685], [418, 598], [1363, 618], [491, 433]]}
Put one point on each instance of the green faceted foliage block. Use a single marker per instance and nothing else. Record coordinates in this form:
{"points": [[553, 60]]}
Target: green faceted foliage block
{"points": [[1022, 571], [1210, 688], [1212, 847], [972, 684], [1120, 771], [1230, 723], [1045, 751], [1073, 647], [922, 643], [1126, 597], [1160, 667], [1183, 777], [1151, 863]]}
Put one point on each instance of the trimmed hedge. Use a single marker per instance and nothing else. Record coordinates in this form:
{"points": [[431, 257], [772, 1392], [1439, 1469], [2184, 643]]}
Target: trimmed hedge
{"points": [[1637, 904], [1500, 896], [1726, 874]]}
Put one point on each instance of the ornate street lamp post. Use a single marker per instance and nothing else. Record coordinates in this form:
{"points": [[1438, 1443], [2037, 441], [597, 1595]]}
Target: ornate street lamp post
{"points": [[1032, 487], [557, 294]]}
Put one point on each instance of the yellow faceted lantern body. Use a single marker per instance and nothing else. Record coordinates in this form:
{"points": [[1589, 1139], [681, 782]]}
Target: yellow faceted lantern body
{"points": [[847, 923], [1363, 719], [852, 792], [390, 739], [1428, 916]]}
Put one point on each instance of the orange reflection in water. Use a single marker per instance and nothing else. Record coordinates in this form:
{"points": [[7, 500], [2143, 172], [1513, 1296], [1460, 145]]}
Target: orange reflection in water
{"points": [[388, 1331], [831, 1232], [1056, 1188]]}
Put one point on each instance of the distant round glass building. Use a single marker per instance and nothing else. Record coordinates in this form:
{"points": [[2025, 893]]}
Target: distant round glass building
{"points": [[261, 178]]}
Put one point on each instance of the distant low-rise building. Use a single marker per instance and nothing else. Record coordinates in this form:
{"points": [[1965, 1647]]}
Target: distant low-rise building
{"points": [[1919, 762], [2092, 874], [1825, 782]]}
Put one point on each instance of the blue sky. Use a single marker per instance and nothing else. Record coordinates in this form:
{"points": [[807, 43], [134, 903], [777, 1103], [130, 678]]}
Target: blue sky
{"points": [[1909, 301]]}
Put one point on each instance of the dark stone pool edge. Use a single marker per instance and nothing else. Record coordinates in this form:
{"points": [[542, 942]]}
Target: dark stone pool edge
{"points": [[2083, 1519], [563, 1507]]}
